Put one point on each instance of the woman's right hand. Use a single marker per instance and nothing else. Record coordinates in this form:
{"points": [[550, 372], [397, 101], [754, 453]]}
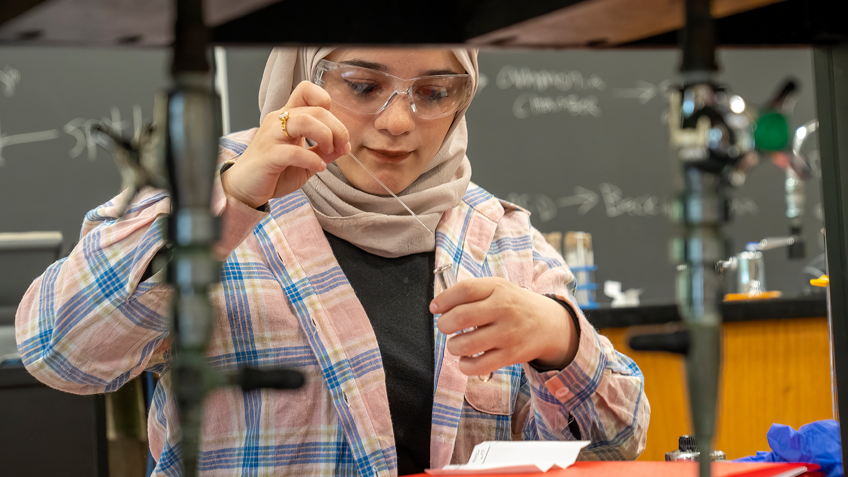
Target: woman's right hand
{"points": [[274, 164]]}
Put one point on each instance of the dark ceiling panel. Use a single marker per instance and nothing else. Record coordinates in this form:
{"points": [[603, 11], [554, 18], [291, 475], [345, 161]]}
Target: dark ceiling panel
{"points": [[497, 23], [13, 8], [380, 22], [793, 22]]}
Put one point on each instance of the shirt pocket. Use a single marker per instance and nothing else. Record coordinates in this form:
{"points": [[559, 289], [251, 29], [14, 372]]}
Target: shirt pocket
{"points": [[491, 397]]}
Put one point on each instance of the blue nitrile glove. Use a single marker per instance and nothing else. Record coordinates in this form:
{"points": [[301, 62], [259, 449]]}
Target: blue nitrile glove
{"points": [[815, 443]]}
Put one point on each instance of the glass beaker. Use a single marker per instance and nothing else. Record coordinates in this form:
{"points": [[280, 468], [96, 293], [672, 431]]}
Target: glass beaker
{"points": [[581, 260]]}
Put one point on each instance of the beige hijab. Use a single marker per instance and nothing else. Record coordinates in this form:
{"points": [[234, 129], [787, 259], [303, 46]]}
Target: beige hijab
{"points": [[376, 224]]}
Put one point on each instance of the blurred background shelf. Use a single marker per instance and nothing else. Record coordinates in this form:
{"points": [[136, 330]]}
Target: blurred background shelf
{"points": [[497, 23]]}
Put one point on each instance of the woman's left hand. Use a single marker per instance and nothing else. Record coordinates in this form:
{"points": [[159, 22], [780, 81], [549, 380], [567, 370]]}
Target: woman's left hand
{"points": [[514, 325]]}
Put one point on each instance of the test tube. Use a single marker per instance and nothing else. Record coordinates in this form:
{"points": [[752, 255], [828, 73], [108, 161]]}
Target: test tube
{"points": [[446, 279], [581, 260]]}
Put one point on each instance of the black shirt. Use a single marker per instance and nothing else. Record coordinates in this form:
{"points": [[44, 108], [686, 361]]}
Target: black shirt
{"points": [[396, 295]]}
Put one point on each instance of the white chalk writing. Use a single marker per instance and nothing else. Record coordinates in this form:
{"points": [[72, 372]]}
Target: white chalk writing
{"points": [[9, 78], [616, 203], [540, 80], [644, 91], [527, 105], [583, 100], [81, 129], [13, 139], [585, 198]]}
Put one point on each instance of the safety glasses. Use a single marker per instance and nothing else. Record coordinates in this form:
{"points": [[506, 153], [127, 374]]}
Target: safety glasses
{"points": [[369, 91]]}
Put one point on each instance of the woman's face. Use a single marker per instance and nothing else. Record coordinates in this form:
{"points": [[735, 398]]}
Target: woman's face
{"points": [[394, 144]]}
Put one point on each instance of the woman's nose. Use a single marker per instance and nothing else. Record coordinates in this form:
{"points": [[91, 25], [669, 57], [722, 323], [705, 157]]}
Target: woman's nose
{"points": [[398, 117]]}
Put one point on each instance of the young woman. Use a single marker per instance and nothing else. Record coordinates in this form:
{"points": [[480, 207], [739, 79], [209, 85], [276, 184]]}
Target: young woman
{"points": [[325, 272]]}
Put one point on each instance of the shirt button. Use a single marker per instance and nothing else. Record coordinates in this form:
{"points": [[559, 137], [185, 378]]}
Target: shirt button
{"points": [[562, 393]]}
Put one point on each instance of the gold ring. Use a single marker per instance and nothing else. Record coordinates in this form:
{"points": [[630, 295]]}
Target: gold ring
{"points": [[284, 118]]}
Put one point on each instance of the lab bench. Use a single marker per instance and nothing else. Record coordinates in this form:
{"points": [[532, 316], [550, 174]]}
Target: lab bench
{"points": [[775, 369]]}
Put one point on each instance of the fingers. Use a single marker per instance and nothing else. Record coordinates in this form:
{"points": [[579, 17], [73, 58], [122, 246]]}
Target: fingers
{"points": [[466, 315], [310, 118], [287, 155], [484, 364], [319, 125], [309, 99], [302, 124], [328, 158], [470, 343], [314, 123], [470, 290], [307, 93]]}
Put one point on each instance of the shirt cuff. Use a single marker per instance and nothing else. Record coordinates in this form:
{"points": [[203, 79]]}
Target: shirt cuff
{"points": [[580, 379], [237, 218], [574, 319]]}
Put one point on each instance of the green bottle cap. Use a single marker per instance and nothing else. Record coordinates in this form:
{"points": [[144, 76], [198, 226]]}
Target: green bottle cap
{"points": [[771, 132]]}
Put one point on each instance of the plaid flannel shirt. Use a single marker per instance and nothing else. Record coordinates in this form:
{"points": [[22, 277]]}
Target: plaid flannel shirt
{"points": [[88, 326]]}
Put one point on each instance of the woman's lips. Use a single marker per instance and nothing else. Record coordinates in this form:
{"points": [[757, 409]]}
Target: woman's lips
{"points": [[390, 155]]}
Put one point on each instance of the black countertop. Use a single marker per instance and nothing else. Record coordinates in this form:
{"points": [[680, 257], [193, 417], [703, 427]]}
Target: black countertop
{"points": [[734, 311]]}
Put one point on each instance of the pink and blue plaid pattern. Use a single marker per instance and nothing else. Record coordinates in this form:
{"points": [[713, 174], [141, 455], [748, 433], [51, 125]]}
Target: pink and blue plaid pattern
{"points": [[88, 326]]}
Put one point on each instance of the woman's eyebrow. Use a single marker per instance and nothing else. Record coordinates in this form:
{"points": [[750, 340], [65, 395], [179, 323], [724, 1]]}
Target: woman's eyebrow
{"points": [[381, 67], [366, 64], [440, 72]]}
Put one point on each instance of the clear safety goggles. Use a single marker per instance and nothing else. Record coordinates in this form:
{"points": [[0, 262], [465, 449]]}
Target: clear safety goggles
{"points": [[369, 91]]}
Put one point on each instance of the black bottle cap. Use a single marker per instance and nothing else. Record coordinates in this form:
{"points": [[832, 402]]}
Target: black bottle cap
{"points": [[687, 444]]}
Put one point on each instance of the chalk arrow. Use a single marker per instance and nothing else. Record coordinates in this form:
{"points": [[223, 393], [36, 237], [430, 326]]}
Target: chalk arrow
{"points": [[9, 140], [644, 91], [585, 198]]}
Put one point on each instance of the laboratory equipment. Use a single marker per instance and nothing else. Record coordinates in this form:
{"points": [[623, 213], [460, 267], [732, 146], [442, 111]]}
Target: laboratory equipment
{"points": [[716, 139], [749, 265], [794, 188], [446, 279], [580, 259], [688, 450], [178, 153], [751, 273], [620, 299]]}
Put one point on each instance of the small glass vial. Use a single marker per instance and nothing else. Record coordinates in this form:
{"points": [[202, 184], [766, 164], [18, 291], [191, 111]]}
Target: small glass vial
{"points": [[581, 260], [751, 275], [446, 279]]}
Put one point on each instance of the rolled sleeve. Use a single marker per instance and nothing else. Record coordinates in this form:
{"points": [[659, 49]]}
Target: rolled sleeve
{"points": [[580, 379], [237, 218]]}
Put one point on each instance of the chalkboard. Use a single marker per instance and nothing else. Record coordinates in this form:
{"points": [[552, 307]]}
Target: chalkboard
{"points": [[51, 171], [577, 137]]}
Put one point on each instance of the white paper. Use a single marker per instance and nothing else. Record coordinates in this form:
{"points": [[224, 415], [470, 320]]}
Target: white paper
{"points": [[511, 457]]}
